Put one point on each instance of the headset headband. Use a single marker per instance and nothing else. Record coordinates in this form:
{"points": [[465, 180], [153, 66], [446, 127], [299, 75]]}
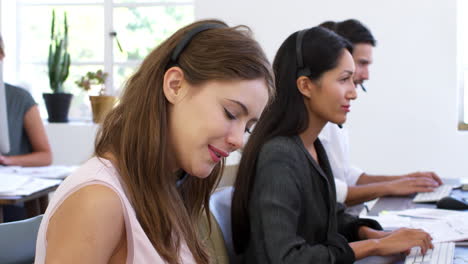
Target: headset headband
{"points": [[188, 37], [301, 70]]}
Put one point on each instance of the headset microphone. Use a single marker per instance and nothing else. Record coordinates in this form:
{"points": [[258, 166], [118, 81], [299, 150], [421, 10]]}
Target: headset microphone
{"points": [[363, 88]]}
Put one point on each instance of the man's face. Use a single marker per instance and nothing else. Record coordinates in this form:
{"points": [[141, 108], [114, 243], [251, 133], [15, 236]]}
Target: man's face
{"points": [[362, 55]]}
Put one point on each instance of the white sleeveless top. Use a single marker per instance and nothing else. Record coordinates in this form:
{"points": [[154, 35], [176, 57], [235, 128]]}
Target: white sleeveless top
{"points": [[101, 171]]}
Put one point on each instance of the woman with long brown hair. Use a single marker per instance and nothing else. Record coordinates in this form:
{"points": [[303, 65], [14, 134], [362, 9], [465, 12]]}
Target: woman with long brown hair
{"points": [[160, 152]]}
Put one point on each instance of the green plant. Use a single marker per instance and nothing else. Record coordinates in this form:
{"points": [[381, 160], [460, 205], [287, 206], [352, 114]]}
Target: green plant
{"points": [[93, 78], [59, 58]]}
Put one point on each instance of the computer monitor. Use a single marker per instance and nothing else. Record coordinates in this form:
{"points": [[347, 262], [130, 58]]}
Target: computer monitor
{"points": [[4, 135]]}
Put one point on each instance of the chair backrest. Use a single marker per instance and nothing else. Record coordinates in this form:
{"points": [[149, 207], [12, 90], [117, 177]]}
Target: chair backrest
{"points": [[220, 206], [214, 240], [18, 240]]}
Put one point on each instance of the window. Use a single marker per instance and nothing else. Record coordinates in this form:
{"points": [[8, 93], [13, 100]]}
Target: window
{"points": [[463, 63], [95, 28]]}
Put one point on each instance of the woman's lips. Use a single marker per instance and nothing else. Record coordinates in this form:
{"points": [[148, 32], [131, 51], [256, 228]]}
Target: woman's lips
{"points": [[216, 153]]}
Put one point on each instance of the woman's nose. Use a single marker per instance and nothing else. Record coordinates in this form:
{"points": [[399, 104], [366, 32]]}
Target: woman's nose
{"points": [[235, 138]]}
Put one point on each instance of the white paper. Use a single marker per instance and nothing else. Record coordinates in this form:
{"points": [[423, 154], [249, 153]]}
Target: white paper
{"points": [[430, 213], [52, 172], [10, 182], [442, 225], [31, 186]]}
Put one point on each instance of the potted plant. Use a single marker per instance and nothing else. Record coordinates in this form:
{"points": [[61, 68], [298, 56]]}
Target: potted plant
{"points": [[101, 104], [58, 102]]}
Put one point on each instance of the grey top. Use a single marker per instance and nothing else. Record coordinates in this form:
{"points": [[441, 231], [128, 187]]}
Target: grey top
{"points": [[19, 101], [294, 216]]}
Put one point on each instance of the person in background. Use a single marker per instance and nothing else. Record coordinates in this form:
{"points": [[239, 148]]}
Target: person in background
{"points": [[160, 153], [284, 207], [28, 140], [353, 185], [29, 145]]}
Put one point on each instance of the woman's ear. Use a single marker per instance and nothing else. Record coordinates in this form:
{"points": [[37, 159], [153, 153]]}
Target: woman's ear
{"points": [[305, 86], [173, 85]]}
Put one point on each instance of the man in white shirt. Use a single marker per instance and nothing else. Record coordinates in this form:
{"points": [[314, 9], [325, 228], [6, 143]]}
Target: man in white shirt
{"points": [[353, 185]]}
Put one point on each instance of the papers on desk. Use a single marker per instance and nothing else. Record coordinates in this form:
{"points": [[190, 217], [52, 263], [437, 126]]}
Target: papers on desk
{"points": [[52, 172], [442, 225], [19, 185], [430, 213], [10, 182], [23, 181]]}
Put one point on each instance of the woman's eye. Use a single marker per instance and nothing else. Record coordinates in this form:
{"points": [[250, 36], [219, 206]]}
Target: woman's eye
{"points": [[344, 79], [229, 115], [250, 128]]}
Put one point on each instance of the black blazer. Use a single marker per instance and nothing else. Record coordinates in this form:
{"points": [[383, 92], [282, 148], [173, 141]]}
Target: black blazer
{"points": [[294, 216]]}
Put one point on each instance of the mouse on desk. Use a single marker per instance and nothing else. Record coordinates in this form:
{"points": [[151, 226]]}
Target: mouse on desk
{"points": [[452, 203]]}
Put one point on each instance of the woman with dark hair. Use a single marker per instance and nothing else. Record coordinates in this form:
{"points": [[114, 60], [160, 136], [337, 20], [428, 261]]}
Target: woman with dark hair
{"points": [[160, 153], [284, 206]]}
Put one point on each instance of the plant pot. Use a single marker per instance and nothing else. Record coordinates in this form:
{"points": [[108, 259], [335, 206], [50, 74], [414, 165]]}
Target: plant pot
{"points": [[101, 105], [58, 105]]}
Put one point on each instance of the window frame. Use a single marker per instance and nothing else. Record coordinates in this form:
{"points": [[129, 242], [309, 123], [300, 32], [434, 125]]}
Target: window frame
{"points": [[109, 62]]}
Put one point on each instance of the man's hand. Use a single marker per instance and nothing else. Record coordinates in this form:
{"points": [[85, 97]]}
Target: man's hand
{"points": [[410, 185], [424, 174]]}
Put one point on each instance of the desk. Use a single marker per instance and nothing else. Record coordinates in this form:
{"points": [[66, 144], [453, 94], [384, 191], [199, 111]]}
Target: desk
{"points": [[35, 203], [395, 203], [34, 191]]}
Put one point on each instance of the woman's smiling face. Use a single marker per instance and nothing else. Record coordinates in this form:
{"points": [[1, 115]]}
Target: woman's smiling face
{"points": [[208, 121]]}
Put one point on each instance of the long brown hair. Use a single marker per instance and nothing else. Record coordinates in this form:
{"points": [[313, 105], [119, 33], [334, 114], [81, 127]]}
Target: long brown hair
{"points": [[136, 133]]}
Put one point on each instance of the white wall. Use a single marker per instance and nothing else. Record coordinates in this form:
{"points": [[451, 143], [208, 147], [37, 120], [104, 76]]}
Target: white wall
{"points": [[408, 119]]}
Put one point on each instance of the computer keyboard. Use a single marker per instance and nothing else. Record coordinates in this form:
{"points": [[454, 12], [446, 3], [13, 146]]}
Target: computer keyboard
{"points": [[442, 253], [439, 193]]}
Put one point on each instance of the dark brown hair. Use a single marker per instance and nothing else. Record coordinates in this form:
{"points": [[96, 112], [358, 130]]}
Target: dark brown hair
{"points": [[136, 132], [352, 30], [286, 116]]}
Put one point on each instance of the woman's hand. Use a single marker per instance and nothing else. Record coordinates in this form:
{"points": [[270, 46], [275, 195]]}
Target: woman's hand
{"points": [[402, 240], [369, 233], [4, 160]]}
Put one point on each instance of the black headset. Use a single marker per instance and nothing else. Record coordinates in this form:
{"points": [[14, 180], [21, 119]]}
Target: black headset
{"points": [[301, 69], [187, 38]]}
